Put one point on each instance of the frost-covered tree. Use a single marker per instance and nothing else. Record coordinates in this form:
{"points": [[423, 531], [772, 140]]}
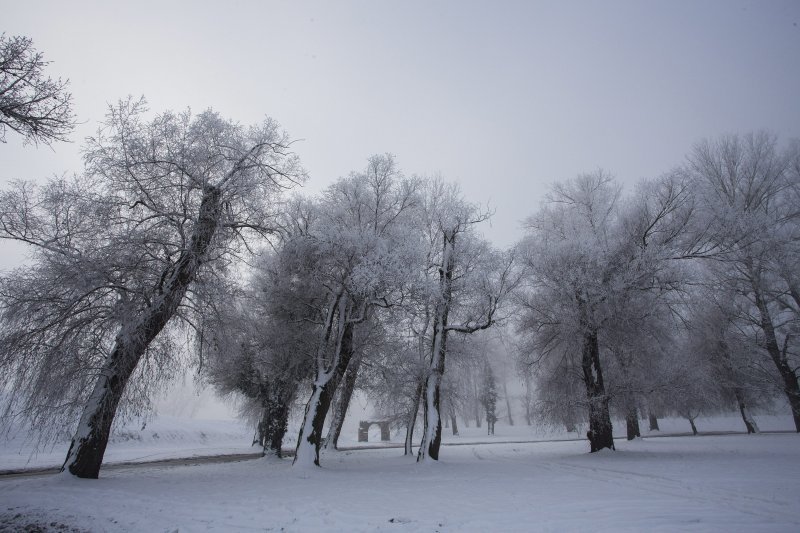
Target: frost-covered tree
{"points": [[747, 192], [254, 346], [596, 269], [718, 329], [116, 256], [371, 342], [570, 253], [470, 283], [37, 107], [360, 251], [394, 373]]}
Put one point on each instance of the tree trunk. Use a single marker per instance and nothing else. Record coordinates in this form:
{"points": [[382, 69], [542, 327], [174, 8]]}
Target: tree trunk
{"points": [[632, 422], [748, 420], [432, 433], [653, 421], [508, 402], [412, 419], [528, 398], [691, 422], [477, 404], [88, 446], [345, 396], [600, 432], [453, 421], [787, 373], [323, 389], [275, 421]]}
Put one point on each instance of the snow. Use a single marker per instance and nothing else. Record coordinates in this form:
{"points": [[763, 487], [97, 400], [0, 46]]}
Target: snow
{"points": [[164, 437], [704, 483]]}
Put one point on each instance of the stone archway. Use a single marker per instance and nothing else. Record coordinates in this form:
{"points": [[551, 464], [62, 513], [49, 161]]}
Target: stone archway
{"points": [[363, 429]]}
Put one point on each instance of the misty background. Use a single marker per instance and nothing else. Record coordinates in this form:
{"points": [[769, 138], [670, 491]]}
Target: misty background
{"points": [[504, 98]]}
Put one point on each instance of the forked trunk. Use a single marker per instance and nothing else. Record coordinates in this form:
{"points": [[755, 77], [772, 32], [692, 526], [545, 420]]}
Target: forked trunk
{"points": [[88, 446], [342, 404], [310, 438]]}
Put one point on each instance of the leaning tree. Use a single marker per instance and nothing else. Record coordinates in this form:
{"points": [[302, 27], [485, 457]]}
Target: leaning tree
{"points": [[115, 256]]}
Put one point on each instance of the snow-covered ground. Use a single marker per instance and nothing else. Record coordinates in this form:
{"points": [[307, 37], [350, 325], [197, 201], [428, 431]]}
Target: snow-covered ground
{"points": [[164, 437], [706, 483], [167, 437]]}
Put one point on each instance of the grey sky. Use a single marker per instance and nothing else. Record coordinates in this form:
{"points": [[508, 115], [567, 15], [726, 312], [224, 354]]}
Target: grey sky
{"points": [[503, 97]]}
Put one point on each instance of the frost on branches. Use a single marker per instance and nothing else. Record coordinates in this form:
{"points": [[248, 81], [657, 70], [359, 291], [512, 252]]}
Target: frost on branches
{"points": [[116, 255]]}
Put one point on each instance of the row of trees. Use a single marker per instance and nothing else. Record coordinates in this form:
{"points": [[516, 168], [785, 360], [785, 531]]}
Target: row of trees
{"points": [[671, 297], [679, 296], [144, 247], [375, 273]]}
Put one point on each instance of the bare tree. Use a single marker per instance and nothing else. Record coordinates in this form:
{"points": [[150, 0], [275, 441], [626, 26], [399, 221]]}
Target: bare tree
{"points": [[473, 281], [254, 346], [360, 252], [597, 270], [748, 191], [37, 107], [117, 252]]}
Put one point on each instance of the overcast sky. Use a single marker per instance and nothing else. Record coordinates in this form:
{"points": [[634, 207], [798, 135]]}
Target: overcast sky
{"points": [[503, 97]]}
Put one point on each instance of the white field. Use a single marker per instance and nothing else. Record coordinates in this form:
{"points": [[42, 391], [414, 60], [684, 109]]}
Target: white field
{"points": [[705, 483]]}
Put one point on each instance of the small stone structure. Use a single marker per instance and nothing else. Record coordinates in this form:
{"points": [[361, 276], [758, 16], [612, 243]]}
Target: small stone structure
{"points": [[363, 429]]}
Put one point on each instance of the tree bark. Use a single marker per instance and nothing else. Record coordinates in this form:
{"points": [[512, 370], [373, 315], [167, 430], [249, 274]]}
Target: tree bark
{"points": [[788, 375], [632, 422], [508, 401], [748, 420], [653, 421], [88, 446], [694, 428], [275, 420], [412, 420], [528, 400], [432, 432], [600, 432], [343, 403], [323, 389], [477, 404], [453, 421]]}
